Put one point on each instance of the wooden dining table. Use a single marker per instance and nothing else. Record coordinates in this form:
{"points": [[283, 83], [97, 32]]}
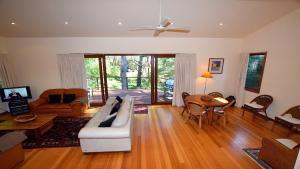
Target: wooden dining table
{"points": [[209, 105]]}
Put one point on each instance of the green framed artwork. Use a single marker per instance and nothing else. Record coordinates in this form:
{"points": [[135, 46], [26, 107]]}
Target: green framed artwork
{"points": [[255, 71]]}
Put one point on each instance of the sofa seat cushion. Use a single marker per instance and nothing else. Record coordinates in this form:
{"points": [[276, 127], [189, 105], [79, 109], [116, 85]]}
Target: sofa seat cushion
{"points": [[287, 142], [55, 106]]}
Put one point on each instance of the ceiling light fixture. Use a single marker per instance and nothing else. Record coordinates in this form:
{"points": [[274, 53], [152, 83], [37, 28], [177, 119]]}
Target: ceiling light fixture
{"points": [[13, 23], [66, 22], [221, 24], [120, 23]]}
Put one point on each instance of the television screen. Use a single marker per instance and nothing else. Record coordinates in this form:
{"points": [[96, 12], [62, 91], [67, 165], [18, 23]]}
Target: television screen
{"points": [[15, 92]]}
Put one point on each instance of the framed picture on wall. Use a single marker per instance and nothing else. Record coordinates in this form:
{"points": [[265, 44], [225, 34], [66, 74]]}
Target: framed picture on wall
{"points": [[215, 65], [255, 71]]}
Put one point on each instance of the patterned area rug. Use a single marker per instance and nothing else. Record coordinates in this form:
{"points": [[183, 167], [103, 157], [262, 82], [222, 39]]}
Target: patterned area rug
{"points": [[64, 133], [253, 154], [140, 109]]}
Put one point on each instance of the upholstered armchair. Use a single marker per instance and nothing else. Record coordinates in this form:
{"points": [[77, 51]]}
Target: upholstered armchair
{"points": [[258, 105], [279, 153], [290, 118]]}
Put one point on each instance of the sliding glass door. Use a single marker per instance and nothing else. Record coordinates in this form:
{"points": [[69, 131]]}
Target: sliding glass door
{"points": [[129, 75], [147, 78], [96, 79], [164, 78]]}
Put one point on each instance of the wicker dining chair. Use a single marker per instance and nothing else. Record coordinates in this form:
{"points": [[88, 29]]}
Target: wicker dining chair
{"points": [[196, 110], [215, 94], [222, 111], [258, 105], [290, 119], [184, 95]]}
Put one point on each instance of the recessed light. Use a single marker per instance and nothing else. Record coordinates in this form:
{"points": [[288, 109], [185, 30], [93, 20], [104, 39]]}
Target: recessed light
{"points": [[13, 23], [66, 22], [120, 23], [221, 24]]}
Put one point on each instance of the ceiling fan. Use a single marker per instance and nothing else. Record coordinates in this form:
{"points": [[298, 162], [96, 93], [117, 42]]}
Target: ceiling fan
{"points": [[163, 25]]}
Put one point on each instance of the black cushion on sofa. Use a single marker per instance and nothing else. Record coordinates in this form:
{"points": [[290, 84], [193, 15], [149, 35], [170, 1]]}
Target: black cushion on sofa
{"points": [[108, 122], [115, 108], [119, 99], [54, 98], [68, 98]]}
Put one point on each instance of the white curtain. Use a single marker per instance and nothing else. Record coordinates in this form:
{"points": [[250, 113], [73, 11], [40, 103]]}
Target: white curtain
{"points": [[6, 72], [72, 71], [185, 76], [240, 90]]}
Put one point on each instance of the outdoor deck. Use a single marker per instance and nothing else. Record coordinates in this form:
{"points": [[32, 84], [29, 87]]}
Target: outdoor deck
{"points": [[141, 96]]}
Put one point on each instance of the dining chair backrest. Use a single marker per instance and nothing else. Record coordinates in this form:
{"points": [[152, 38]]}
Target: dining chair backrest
{"points": [[184, 95], [215, 94], [228, 105], [194, 108]]}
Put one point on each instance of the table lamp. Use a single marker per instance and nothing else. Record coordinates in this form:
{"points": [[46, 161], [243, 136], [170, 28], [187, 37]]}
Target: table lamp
{"points": [[206, 75]]}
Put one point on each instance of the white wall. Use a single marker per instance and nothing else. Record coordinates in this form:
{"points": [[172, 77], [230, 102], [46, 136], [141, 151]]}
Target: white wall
{"points": [[2, 50], [2, 45], [35, 59], [281, 39]]}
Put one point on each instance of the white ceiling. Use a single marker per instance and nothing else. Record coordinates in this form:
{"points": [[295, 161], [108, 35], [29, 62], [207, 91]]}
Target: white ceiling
{"points": [[45, 18]]}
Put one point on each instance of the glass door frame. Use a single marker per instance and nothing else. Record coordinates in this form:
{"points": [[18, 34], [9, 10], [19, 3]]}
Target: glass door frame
{"points": [[154, 77], [103, 79]]}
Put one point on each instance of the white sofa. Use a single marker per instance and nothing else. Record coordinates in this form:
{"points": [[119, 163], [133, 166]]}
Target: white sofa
{"points": [[118, 137]]}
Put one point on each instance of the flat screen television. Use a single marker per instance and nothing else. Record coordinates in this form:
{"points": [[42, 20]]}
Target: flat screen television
{"points": [[7, 93]]}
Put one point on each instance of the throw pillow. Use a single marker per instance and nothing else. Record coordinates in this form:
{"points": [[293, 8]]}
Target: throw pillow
{"points": [[54, 98], [115, 108], [108, 122], [68, 98], [119, 99]]}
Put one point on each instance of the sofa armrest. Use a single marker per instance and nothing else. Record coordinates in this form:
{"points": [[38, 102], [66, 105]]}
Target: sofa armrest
{"points": [[278, 155], [34, 104], [104, 132]]}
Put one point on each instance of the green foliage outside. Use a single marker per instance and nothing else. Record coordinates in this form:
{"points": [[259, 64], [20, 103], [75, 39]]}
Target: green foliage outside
{"points": [[113, 69]]}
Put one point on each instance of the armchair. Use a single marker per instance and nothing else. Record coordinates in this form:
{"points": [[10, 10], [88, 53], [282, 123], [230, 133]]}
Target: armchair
{"points": [[290, 118], [258, 105]]}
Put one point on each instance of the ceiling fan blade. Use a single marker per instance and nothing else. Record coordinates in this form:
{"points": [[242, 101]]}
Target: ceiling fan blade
{"points": [[165, 22], [180, 30], [157, 32], [142, 29]]}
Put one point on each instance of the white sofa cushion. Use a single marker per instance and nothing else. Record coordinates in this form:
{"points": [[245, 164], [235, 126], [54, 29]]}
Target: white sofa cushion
{"points": [[287, 142], [123, 113]]}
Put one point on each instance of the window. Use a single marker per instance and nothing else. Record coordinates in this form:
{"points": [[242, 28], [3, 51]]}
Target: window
{"points": [[255, 71]]}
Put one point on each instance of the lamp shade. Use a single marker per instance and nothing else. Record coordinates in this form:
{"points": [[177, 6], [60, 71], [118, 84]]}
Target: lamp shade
{"points": [[206, 74]]}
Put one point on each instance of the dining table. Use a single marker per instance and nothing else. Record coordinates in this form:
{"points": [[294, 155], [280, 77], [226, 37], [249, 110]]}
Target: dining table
{"points": [[208, 104]]}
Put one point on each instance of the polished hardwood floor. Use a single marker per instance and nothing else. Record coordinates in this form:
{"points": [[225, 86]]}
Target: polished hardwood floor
{"points": [[163, 139]]}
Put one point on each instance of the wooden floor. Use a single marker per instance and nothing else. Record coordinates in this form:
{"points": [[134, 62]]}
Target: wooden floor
{"points": [[162, 139]]}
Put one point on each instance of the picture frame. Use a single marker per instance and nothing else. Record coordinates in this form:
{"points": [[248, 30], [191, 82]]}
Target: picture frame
{"points": [[255, 71], [215, 65]]}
